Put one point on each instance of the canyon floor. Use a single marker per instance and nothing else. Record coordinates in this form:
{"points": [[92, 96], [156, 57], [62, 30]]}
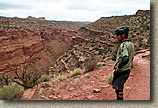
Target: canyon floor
{"points": [[96, 87]]}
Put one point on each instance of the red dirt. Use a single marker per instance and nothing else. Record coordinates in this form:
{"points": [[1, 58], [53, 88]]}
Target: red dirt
{"points": [[96, 87]]}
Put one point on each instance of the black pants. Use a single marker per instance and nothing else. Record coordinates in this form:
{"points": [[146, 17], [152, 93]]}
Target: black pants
{"points": [[119, 79], [118, 82]]}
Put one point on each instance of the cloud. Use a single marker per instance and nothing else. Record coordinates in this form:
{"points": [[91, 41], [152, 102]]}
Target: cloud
{"points": [[7, 6], [74, 10], [78, 5]]}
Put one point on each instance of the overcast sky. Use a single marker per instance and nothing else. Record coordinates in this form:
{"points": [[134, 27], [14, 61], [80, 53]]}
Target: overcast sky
{"points": [[71, 10]]}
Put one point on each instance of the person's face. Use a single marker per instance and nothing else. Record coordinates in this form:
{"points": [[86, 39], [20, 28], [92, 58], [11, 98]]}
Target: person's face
{"points": [[119, 38]]}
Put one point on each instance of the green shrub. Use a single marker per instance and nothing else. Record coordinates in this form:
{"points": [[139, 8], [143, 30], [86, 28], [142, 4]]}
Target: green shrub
{"points": [[91, 64], [80, 44], [145, 46], [52, 72], [110, 79], [66, 60], [45, 85], [110, 49], [104, 57], [148, 42], [44, 78], [1, 79], [66, 56], [135, 39], [61, 77], [76, 71], [140, 39], [100, 64], [47, 71], [70, 49], [133, 36], [105, 51], [96, 48], [140, 43], [114, 37], [10, 92], [88, 76], [92, 45], [78, 64]]}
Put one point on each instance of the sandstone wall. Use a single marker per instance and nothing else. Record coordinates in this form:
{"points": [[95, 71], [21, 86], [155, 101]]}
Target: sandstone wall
{"points": [[18, 45]]}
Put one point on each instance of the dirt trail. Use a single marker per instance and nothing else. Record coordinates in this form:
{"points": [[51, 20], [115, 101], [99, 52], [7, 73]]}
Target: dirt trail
{"points": [[139, 80], [96, 87]]}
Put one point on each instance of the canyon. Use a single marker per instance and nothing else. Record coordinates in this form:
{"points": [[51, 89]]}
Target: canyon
{"points": [[57, 48]]}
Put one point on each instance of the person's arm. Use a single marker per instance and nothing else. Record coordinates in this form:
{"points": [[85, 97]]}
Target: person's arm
{"points": [[125, 57], [113, 58], [123, 62]]}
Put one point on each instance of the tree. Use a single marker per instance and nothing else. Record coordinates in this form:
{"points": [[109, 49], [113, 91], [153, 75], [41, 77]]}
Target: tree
{"points": [[27, 75]]}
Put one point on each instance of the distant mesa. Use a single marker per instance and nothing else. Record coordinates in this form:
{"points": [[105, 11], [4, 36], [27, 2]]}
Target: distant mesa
{"points": [[15, 17], [40, 18], [143, 12]]}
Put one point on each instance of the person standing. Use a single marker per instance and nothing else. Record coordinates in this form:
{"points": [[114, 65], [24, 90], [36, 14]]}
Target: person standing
{"points": [[124, 58]]}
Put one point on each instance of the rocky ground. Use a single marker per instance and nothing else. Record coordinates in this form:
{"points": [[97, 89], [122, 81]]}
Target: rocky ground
{"points": [[94, 86], [59, 47]]}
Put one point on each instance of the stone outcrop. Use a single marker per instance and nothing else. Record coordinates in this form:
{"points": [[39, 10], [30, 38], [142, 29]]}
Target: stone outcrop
{"points": [[22, 40], [40, 18], [143, 12]]}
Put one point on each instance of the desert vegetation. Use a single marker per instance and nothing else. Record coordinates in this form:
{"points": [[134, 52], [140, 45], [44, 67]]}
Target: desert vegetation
{"points": [[60, 50]]}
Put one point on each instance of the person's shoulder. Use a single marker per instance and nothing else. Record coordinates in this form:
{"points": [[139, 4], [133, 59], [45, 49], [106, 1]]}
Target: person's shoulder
{"points": [[129, 42]]}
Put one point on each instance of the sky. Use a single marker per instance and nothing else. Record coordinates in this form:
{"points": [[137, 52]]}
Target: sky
{"points": [[71, 10]]}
